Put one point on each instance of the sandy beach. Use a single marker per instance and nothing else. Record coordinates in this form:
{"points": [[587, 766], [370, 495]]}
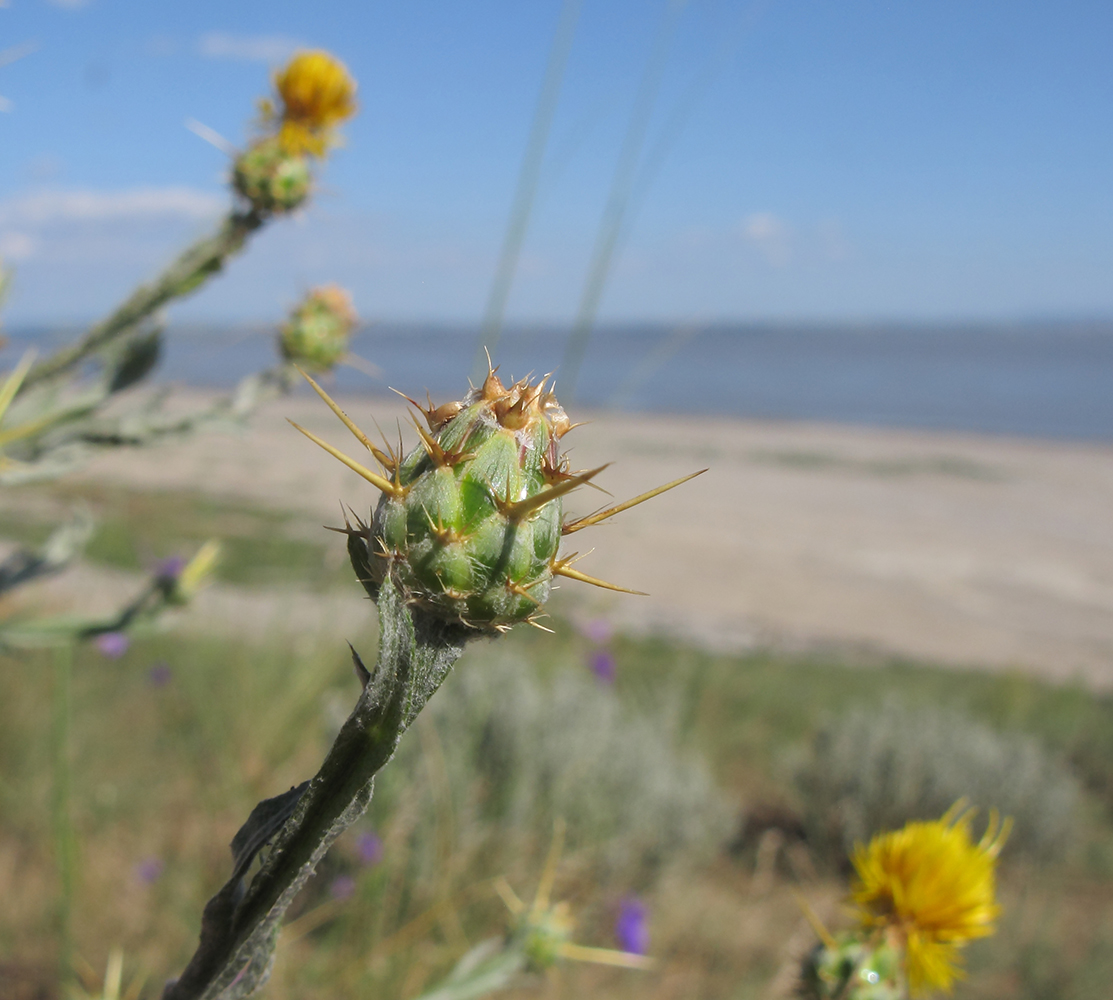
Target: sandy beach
{"points": [[986, 552]]}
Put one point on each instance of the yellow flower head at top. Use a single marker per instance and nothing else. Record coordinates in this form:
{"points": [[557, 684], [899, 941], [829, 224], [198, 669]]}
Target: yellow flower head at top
{"points": [[931, 889], [317, 93]]}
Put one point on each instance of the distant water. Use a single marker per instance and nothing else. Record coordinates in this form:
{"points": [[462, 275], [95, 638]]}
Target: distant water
{"points": [[1040, 380]]}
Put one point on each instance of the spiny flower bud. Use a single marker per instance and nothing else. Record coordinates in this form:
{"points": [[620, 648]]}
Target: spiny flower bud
{"points": [[542, 932], [272, 178], [317, 333], [848, 968], [470, 521]]}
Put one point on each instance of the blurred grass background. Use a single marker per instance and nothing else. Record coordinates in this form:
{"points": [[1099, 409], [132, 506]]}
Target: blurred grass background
{"points": [[708, 786]]}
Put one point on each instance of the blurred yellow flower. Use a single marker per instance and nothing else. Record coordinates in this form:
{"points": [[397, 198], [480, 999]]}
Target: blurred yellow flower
{"points": [[317, 93], [931, 889]]}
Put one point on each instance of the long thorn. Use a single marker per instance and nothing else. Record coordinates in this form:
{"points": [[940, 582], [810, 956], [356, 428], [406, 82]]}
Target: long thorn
{"points": [[587, 522], [508, 896], [812, 918], [520, 508], [429, 443], [605, 956], [372, 477], [390, 451], [562, 569], [548, 873], [380, 455]]}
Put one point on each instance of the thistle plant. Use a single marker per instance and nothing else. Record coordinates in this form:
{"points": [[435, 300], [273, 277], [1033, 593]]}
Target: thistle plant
{"points": [[469, 522], [53, 413], [539, 936], [316, 94], [920, 894], [55, 419], [462, 544]]}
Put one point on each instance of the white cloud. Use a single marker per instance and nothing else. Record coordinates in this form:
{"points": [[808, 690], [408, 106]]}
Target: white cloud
{"points": [[251, 48], [41, 207], [770, 235], [16, 246], [68, 4]]}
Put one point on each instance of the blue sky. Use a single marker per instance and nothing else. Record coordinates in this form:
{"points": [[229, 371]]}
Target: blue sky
{"points": [[851, 160]]}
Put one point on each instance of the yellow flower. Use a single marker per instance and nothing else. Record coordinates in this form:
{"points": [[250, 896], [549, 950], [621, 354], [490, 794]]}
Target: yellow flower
{"points": [[930, 889], [317, 93]]}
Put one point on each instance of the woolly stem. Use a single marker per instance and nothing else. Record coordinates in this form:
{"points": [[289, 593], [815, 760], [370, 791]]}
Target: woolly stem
{"points": [[240, 925], [199, 262]]}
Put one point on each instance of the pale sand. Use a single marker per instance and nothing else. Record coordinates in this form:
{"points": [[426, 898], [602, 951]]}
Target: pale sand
{"points": [[970, 550]]}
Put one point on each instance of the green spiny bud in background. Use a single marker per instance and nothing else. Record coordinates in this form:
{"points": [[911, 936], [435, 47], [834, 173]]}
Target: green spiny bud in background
{"points": [[542, 930], [539, 937], [470, 521], [848, 968], [545, 933], [317, 333], [271, 178]]}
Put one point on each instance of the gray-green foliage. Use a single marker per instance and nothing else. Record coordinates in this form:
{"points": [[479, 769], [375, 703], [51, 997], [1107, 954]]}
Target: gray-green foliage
{"points": [[520, 751], [875, 768]]}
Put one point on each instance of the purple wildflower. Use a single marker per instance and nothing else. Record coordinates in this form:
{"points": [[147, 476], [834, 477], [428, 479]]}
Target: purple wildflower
{"points": [[602, 664], [160, 674], [170, 568], [113, 644], [343, 886], [597, 630], [148, 870], [369, 847], [631, 927]]}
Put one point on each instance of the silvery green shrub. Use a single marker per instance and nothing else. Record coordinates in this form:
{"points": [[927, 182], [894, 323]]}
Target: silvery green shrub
{"points": [[874, 768], [521, 751]]}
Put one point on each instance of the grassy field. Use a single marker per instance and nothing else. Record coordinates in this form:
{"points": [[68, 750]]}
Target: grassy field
{"points": [[679, 781]]}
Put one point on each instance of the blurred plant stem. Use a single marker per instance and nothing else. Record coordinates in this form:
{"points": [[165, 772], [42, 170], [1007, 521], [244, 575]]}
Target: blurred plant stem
{"points": [[526, 192], [199, 262], [618, 200], [240, 925], [65, 843]]}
